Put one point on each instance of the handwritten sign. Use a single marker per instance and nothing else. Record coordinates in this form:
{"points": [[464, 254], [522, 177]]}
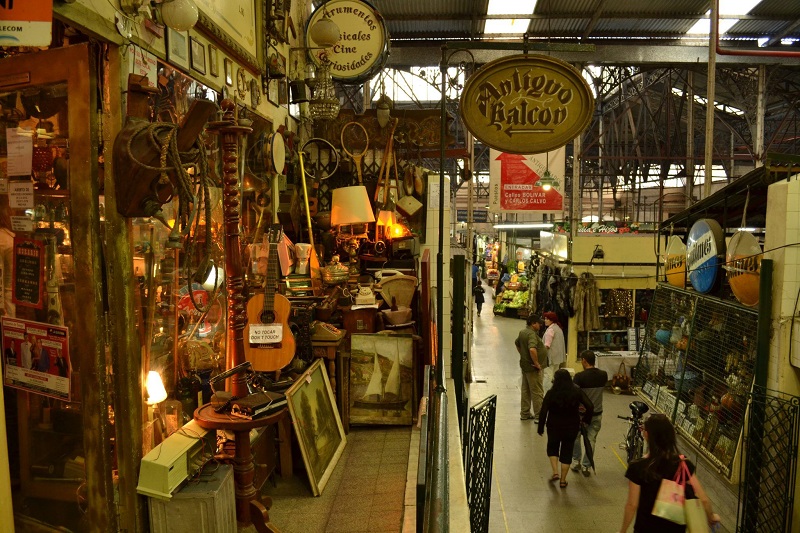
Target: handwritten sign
{"points": [[266, 333], [28, 273]]}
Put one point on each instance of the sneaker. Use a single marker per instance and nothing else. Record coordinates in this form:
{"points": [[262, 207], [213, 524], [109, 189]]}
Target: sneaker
{"points": [[526, 417], [585, 471], [536, 419], [575, 467]]}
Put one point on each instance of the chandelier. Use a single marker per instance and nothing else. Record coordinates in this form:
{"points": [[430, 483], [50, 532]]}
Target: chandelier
{"points": [[325, 104]]}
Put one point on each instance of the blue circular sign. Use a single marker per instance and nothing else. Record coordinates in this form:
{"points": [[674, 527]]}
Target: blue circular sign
{"points": [[704, 248]]}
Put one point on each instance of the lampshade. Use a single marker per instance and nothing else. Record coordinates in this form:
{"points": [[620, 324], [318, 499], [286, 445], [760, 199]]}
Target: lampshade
{"points": [[216, 275], [325, 33], [156, 393], [386, 218], [180, 15], [350, 205]]}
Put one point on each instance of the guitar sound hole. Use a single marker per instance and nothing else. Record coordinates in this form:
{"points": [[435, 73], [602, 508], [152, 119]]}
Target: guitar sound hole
{"points": [[268, 317]]}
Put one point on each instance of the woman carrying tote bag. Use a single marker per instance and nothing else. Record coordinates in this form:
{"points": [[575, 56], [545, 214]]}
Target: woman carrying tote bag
{"points": [[645, 476]]}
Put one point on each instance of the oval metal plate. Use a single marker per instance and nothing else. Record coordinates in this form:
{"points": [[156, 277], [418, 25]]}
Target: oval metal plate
{"points": [[526, 104]]}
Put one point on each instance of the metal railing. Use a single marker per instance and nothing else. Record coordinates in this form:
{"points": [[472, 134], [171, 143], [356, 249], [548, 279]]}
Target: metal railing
{"points": [[478, 456]]}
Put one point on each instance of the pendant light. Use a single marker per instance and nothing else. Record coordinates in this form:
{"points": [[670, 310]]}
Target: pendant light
{"points": [[180, 15]]}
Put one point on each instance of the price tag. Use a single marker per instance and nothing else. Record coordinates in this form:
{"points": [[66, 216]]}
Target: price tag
{"points": [[266, 333]]}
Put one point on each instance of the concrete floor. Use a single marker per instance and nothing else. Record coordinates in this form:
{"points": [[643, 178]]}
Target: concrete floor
{"points": [[367, 490]]}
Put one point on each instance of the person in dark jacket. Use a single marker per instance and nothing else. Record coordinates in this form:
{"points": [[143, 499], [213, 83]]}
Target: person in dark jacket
{"points": [[478, 292], [561, 414], [593, 381], [645, 476]]}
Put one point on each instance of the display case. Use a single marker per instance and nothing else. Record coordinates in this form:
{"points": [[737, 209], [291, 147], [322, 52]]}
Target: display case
{"points": [[623, 313]]}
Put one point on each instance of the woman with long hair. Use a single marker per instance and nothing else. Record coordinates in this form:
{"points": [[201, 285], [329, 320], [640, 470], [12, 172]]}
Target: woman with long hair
{"points": [[561, 414], [645, 476]]}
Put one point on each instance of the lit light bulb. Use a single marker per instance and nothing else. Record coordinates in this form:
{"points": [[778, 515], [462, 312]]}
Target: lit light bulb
{"points": [[546, 186], [180, 15]]}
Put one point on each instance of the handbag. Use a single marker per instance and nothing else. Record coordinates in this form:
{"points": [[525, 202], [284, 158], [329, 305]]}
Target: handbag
{"points": [[696, 519], [670, 500], [621, 379]]}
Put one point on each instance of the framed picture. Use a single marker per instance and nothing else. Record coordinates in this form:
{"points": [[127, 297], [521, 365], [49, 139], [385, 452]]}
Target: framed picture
{"points": [[317, 423], [239, 25], [273, 92], [213, 60], [228, 64], [381, 379], [198, 52], [283, 92], [178, 48]]}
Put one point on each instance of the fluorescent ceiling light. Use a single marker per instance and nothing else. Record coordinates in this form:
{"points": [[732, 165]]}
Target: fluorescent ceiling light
{"points": [[506, 26], [510, 7], [540, 225]]}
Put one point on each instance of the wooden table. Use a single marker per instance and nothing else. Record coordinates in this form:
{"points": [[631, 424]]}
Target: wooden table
{"points": [[329, 350], [251, 510]]}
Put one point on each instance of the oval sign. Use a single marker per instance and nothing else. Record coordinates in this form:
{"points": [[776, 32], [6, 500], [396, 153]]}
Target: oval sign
{"points": [[675, 267], [526, 104], [744, 267], [704, 246], [363, 46]]}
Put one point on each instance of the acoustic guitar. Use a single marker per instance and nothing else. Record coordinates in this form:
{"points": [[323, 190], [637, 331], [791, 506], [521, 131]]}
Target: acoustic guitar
{"points": [[268, 341]]}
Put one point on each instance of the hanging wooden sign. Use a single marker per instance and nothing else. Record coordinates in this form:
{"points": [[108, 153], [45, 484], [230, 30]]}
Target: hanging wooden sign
{"points": [[28, 272], [526, 104]]}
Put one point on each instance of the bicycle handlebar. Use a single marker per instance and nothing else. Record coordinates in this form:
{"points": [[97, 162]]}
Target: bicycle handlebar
{"points": [[628, 418]]}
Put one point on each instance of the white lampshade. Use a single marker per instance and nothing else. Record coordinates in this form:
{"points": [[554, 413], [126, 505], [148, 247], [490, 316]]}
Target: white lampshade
{"points": [[180, 15], [156, 393], [215, 277], [350, 205], [325, 33]]}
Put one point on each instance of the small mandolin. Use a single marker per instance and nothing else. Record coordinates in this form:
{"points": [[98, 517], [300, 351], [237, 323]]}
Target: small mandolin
{"points": [[268, 341]]}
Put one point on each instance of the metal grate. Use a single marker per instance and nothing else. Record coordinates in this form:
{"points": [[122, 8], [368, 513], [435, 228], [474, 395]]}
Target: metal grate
{"points": [[696, 366], [769, 463], [478, 459]]}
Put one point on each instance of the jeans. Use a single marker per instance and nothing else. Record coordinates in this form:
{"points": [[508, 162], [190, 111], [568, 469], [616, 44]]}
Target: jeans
{"points": [[531, 394], [549, 372], [591, 430]]}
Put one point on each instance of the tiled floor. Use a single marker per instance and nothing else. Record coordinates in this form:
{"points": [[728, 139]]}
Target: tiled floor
{"points": [[366, 490]]}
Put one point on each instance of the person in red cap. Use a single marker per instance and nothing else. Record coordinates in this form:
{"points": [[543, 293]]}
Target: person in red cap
{"points": [[556, 348]]}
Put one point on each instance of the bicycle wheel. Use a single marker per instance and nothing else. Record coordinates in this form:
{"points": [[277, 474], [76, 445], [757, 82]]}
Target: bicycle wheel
{"points": [[635, 446]]}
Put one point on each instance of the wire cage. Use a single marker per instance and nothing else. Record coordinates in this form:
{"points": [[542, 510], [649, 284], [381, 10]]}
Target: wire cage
{"points": [[696, 366]]}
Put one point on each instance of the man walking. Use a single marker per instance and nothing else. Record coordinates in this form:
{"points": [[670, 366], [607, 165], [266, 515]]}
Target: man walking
{"points": [[532, 358], [556, 348], [592, 380]]}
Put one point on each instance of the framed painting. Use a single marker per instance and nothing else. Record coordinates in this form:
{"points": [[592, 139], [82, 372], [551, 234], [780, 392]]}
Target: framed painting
{"points": [[273, 92], [198, 54], [213, 60], [381, 379], [316, 421], [178, 48], [239, 26], [228, 65]]}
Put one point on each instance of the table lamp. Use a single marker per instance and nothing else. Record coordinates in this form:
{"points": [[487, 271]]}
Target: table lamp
{"points": [[350, 207]]}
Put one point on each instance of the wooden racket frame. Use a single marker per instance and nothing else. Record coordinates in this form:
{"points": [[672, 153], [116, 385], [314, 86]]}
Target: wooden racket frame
{"points": [[355, 157]]}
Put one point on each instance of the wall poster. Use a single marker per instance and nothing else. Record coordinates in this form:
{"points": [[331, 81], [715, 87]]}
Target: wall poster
{"points": [[516, 184], [28, 273], [36, 357]]}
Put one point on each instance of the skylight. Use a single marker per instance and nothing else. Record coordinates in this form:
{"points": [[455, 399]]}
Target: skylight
{"points": [[726, 8], [515, 26]]}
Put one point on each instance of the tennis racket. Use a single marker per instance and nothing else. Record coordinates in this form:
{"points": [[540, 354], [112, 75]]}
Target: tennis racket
{"points": [[355, 142]]}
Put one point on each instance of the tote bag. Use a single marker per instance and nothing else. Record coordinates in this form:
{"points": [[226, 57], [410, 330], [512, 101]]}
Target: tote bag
{"points": [[670, 499], [696, 519]]}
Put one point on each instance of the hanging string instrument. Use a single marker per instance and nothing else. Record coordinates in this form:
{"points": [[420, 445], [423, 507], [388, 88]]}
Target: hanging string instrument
{"points": [[355, 142], [268, 341]]}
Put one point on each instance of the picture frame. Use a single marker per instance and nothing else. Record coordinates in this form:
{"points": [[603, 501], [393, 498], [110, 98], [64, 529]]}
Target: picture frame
{"points": [[238, 26], [381, 379], [319, 430], [198, 55], [273, 92], [213, 60], [178, 53], [228, 66]]}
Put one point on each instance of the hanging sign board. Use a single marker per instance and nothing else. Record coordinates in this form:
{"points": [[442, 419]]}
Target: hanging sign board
{"points": [[526, 103], [28, 273], [516, 186], [36, 357], [743, 263], [675, 267], [704, 249], [26, 22], [363, 46]]}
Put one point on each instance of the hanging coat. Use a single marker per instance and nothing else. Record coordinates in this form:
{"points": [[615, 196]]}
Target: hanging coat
{"points": [[587, 309]]}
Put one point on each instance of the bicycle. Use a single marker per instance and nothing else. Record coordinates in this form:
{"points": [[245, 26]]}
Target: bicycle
{"points": [[634, 440]]}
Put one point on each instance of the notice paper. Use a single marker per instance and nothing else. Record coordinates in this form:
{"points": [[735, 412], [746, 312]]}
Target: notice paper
{"points": [[20, 152]]}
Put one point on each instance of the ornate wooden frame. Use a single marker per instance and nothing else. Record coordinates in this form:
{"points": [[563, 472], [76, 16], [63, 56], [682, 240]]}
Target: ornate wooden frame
{"points": [[220, 37]]}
